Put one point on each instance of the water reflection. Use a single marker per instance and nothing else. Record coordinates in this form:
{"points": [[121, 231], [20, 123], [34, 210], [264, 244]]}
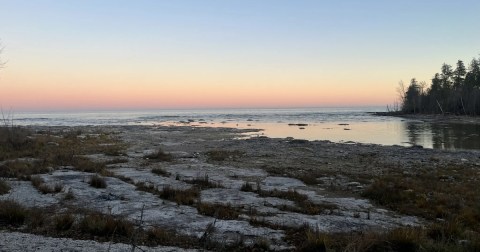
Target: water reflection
{"points": [[394, 131], [444, 136]]}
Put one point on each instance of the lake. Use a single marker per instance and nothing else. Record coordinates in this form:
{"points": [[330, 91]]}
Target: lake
{"points": [[343, 125]]}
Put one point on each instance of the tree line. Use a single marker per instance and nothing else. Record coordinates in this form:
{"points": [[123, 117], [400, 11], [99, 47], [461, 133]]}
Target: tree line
{"points": [[452, 91]]}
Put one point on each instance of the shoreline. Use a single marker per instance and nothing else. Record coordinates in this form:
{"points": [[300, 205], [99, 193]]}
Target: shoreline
{"points": [[272, 186], [434, 118]]}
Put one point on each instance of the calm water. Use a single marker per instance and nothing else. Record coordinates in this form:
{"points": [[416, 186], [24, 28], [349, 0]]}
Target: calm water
{"points": [[334, 124]]}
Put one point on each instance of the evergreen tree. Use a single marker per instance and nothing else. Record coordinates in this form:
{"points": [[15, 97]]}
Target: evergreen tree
{"points": [[450, 92]]}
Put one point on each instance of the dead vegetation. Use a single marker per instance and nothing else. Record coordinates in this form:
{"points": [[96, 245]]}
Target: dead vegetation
{"points": [[159, 155], [302, 203], [44, 188], [160, 171], [224, 212], [84, 224], [203, 182], [12, 213], [97, 181], [4, 187]]}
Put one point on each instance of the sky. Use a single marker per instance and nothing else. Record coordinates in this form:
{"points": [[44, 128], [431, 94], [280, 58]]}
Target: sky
{"points": [[116, 54]]}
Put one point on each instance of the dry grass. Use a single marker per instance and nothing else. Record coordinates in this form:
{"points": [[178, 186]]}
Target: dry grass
{"points": [[181, 197], [42, 187], [224, 212], [302, 203], [203, 182], [448, 193], [160, 155], [21, 169], [247, 187], [63, 222], [97, 181], [86, 165], [105, 225], [4, 187], [160, 171], [12, 139], [12, 213]]}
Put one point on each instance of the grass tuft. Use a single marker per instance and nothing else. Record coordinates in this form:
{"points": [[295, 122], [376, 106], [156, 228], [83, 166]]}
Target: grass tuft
{"points": [[63, 222], [224, 212], [12, 213], [98, 182], [203, 182], [160, 171], [160, 155], [105, 225]]}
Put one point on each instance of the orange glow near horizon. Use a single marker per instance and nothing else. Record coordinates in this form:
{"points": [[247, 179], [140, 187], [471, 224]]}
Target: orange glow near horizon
{"points": [[39, 92]]}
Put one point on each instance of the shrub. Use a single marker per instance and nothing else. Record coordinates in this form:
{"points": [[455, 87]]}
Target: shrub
{"points": [[12, 213], [98, 182]]}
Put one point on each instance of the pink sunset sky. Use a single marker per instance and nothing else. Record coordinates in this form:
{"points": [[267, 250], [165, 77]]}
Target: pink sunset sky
{"points": [[76, 55]]}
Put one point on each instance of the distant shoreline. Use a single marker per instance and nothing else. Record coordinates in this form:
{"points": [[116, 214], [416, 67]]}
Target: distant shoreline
{"points": [[433, 118]]}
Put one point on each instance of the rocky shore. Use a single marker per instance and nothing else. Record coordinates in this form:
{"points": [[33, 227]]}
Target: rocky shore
{"points": [[254, 192]]}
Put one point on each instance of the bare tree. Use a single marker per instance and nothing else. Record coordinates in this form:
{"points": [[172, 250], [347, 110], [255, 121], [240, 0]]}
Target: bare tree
{"points": [[401, 92]]}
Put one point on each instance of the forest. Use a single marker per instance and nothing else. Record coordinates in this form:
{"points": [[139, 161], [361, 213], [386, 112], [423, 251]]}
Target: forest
{"points": [[452, 91]]}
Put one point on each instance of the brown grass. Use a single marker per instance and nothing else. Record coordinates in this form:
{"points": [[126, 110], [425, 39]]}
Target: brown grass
{"points": [[42, 187], [21, 169], [447, 193], [160, 171], [63, 222], [105, 225], [224, 212], [97, 181], [4, 187], [203, 182], [181, 197], [302, 203], [160, 155], [12, 213]]}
